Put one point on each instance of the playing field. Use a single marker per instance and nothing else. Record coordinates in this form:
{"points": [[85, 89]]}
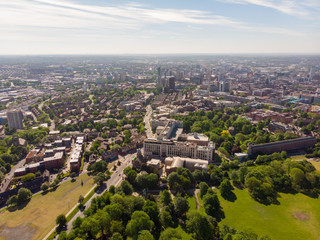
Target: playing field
{"points": [[296, 217], [36, 219]]}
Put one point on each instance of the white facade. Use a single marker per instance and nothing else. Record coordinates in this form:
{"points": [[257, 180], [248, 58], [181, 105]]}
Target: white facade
{"points": [[164, 148]]}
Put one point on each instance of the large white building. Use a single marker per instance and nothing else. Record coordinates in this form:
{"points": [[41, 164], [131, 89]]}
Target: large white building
{"points": [[168, 148]]}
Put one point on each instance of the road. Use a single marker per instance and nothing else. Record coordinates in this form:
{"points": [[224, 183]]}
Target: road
{"points": [[6, 181], [115, 180], [146, 120]]}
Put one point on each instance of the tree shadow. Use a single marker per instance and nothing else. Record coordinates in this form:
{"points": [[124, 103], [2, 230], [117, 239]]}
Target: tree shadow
{"points": [[19, 207], [44, 192], [231, 197], [59, 229], [101, 188], [311, 194], [219, 215], [268, 201], [53, 188]]}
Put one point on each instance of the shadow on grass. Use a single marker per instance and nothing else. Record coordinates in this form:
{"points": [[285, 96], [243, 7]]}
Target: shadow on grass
{"points": [[219, 215], [231, 197], [18, 207], [311, 194]]}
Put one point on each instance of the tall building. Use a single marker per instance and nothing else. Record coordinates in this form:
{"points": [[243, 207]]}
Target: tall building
{"points": [[15, 119], [224, 86], [171, 83]]}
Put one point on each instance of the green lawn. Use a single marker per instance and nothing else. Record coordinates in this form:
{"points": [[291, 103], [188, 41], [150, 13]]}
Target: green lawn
{"points": [[315, 164], [38, 217], [296, 217], [192, 203], [298, 157], [201, 209]]}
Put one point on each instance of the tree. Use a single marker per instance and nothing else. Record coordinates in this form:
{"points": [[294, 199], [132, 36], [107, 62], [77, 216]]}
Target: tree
{"points": [[116, 226], [99, 179], [44, 186], [145, 235], [81, 199], [115, 210], [297, 177], [200, 226], [126, 188], [170, 234], [104, 220], [61, 221], [28, 177], [24, 195], [165, 198], [225, 188], [12, 200], [139, 221], [112, 189], [211, 204], [117, 236], [180, 180], [90, 226], [181, 206], [151, 208], [131, 175], [203, 188], [63, 236], [166, 219]]}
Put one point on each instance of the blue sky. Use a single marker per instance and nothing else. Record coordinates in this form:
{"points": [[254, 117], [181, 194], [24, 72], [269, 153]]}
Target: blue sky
{"points": [[159, 26]]}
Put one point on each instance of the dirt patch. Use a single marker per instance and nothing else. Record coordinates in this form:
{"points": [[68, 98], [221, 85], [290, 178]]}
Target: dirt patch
{"points": [[22, 232], [301, 216]]}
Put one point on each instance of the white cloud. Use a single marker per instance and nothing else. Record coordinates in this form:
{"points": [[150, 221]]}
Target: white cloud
{"points": [[290, 7], [65, 14]]}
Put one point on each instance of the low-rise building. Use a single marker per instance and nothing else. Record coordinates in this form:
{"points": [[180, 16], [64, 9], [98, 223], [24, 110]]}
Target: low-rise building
{"points": [[172, 163]]}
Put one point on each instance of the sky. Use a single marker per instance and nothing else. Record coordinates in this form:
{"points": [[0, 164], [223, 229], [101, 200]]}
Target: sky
{"points": [[159, 27]]}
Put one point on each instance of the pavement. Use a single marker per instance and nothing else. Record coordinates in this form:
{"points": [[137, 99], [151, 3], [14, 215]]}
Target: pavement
{"points": [[115, 179]]}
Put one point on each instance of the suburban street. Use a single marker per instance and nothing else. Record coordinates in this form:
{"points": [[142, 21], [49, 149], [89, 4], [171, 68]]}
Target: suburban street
{"points": [[115, 180]]}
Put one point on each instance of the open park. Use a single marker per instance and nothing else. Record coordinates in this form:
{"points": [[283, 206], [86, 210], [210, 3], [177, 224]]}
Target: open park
{"points": [[297, 216], [38, 217]]}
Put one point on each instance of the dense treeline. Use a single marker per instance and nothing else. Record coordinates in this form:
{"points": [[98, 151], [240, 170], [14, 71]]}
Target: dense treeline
{"points": [[217, 126]]}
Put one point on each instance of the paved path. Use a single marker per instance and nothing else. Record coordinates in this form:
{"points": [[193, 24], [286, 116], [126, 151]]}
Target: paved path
{"points": [[6, 181]]}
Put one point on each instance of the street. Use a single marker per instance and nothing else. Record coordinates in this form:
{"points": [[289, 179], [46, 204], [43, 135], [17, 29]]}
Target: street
{"points": [[6, 181], [115, 180]]}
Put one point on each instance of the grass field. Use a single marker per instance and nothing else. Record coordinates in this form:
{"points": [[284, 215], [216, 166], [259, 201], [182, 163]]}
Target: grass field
{"points": [[296, 217], [36, 219], [192, 203], [315, 164], [201, 208], [298, 157]]}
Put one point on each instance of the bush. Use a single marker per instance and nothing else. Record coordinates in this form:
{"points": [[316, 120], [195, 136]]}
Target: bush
{"points": [[28, 177], [44, 186], [61, 220], [24, 195]]}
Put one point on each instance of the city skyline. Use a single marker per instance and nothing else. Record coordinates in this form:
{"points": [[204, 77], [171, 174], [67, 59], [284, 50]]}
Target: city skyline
{"points": [[154, 27]]}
